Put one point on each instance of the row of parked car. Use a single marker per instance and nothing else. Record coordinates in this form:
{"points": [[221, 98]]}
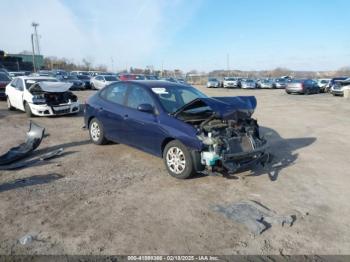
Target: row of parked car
{"points": [[47, 93], [335, 86], [81, 80]]}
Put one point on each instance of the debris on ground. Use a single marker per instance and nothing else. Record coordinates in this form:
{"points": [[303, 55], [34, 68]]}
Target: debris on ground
{"points": [[27, 239], [35, 135], [255, 216], [33, 161], [33, 140]]}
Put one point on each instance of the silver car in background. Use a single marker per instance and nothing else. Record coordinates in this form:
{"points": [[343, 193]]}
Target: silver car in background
{"points": [[265, 83], [339, 86], [248, 84], [230, 82], [213, 82], [280, 83]]}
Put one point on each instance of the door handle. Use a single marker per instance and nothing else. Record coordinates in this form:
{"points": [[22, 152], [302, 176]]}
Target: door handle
{"points": [[126, 116], [100, 108]]}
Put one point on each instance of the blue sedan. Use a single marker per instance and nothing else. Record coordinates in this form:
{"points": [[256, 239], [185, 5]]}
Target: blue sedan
{"points": [[190, 131]]}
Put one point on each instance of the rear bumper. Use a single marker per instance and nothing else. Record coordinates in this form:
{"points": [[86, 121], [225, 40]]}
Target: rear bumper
{"points": [[296, 90]]}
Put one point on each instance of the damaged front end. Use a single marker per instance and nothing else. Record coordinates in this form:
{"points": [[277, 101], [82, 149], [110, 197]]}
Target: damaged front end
{"points": [[53, 98], [230, 136]]}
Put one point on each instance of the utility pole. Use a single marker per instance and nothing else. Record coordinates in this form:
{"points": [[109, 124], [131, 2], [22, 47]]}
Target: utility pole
{"points": [[112, 62], [35, 25], [33, 52], [228, 62], [162, 68]]}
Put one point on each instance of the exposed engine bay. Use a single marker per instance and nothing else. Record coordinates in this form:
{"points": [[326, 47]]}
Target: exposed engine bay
{"points": [[229, 143], [51, 97], [229, 134]]}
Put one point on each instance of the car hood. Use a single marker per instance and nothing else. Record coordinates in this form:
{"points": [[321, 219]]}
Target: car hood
{"points": [[51, 87], [224, 107]]}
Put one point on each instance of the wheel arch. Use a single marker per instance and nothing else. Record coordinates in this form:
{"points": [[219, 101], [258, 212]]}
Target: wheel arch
{"points": [[164, 143]]}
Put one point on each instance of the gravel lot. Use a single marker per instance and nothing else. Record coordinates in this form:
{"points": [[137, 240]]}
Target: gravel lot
{"points": [[114, 199]]}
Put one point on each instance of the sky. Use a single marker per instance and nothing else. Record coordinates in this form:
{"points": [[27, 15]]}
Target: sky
{"points": [[201, 35]]}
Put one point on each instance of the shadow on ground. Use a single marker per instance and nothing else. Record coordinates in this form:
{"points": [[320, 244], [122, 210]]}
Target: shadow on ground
{"points": [[30, 181], [282, 153]]}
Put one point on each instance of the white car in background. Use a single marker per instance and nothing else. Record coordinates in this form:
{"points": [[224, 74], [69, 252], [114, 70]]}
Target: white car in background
{"points": [[100, 81], [322, 83], [230, 82], [41, 96]]}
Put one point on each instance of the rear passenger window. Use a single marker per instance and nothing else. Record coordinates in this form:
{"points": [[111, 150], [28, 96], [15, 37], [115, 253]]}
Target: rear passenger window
{"points": [[115, 93], [137, 96]]}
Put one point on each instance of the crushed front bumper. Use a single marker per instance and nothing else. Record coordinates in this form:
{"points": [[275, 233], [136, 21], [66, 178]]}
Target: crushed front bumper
{"points": [[238, 161], [64, 109]]}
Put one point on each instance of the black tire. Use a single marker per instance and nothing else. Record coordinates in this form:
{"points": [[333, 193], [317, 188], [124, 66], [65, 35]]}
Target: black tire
{"points": [[28, 110], [288, 92], [93, 86], [97, 138], [9, 106], [188, 169]]}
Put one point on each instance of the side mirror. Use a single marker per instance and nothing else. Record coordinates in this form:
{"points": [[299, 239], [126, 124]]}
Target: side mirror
{"points": [[147, 108]]}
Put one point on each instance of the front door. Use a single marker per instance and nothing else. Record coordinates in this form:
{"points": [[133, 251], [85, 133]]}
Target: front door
{"points": [[143, 129]]}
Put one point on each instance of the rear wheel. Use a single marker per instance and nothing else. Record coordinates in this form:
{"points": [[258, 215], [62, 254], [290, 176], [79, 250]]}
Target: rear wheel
{"points": [[28, 110], [96, 132], [178, 160], [93, 86], [9, 106]]}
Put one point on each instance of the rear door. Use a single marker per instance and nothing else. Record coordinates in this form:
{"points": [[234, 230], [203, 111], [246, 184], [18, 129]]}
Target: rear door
{"points": [[15, 93], [111, 111]]}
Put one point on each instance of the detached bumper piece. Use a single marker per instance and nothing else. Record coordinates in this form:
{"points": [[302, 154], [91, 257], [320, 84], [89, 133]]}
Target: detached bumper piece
{"points": [[33, 140], [10, 160]]}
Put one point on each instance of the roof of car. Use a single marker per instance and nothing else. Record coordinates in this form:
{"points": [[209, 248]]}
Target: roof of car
{"points": [[34, 77], [155, 83]]}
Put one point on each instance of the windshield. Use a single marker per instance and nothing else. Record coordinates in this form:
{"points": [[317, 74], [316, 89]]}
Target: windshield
{"points": [[30, 82], [213, 79], [174, 97], [230, 79], [110, 78], [4, 77]]}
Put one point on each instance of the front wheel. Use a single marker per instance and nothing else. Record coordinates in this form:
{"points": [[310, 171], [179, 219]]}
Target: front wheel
{"points": [[96, 132], [28, 110], [178, 160], [9, 106]]}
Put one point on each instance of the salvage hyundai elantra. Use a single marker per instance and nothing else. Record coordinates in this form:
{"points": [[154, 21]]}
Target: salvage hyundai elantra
{"points": [[190, 131]]}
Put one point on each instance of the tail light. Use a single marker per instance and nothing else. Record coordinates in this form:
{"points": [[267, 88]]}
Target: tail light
{"points": [[302, 85]]}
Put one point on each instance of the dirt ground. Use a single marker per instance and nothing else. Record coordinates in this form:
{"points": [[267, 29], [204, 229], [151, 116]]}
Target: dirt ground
{"points": [[114, 199]]}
